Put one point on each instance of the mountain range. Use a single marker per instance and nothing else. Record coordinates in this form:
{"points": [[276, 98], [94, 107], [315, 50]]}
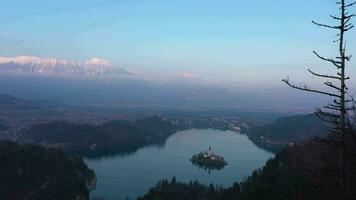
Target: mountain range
{"points": [[98, 82], [52, 66]]}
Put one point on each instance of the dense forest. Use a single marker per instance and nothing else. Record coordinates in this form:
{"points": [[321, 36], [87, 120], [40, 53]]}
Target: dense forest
{"points": [[34, 172], [119, 133]]}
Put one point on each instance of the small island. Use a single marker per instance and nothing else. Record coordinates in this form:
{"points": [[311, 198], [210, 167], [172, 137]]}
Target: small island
{"points": [[208, 160]]}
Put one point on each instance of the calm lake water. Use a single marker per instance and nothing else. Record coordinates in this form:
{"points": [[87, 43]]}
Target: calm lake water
{"points": [[131, 175]]}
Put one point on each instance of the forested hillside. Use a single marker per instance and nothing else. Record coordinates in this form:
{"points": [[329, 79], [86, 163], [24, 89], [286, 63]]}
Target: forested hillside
{"points": [[120, 133], [292, 129], [287, 130], [34, 172]]}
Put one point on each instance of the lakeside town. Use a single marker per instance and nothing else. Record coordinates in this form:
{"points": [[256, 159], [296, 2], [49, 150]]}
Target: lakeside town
{"points": [[14, 122]]}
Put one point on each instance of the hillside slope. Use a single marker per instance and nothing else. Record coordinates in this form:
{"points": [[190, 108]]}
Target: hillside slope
{"points": [[34, 172], [119, 133], [287, 130]]}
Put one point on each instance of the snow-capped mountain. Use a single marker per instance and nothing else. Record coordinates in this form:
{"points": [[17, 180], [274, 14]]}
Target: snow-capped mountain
{"points": [[52, 66]]}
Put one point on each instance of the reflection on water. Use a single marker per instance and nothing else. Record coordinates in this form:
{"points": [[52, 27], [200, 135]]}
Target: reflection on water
{"points": [[123, 173]]}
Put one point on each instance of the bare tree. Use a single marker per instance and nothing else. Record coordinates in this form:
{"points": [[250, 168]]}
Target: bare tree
{"points": [[336, 112], [339, 162]]}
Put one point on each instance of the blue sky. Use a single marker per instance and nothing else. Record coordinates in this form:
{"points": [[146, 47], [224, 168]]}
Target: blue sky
{"points": [[252, 42]]}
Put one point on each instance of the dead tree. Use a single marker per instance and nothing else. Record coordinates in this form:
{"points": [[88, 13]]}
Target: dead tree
{"points": [[336, 113]]}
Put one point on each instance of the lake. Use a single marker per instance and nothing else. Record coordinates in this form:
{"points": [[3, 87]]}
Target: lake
{"points": [[131, 175]]}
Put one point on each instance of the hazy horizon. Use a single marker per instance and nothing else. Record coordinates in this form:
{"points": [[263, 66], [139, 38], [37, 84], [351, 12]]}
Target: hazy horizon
{"points": [[241, 47]]}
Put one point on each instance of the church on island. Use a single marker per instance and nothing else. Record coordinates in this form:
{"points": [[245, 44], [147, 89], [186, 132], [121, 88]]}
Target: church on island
{"points": [[209, 160]]}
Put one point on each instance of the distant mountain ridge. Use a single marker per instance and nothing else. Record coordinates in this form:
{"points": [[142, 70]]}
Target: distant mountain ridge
{"points": [[53, 66]]}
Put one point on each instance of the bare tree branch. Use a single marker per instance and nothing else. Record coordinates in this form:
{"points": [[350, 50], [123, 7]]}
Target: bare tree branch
{"points": [[330, 84], [334, 62], [327, 26], [323, 76], [305, 88]]}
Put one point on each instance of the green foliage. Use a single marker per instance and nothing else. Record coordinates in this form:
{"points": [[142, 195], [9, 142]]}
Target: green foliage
{"points": [[39, 173]]}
